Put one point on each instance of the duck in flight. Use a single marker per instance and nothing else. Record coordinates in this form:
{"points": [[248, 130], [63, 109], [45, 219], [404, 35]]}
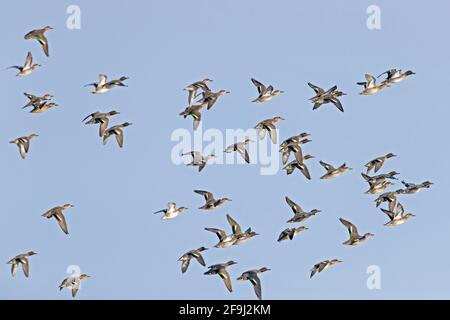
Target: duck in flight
{"points": [[290, 233], [194, 87], [186, 258], [396, 75], [210, 202], [198, 160], [27, 68], [102, 86], [101, 118], [378, 162], [240, 148], [24, 144], [210, 98], [333, 172], [73, 282], [39, 35], [57, 213], [221, 270], [265, 93], [397, 216], [299, 214], [240, 237], [171, 211], [294, 144], [370, 86], [411, 188], [268, 126], [116, 131], [252, 276], [43, 107], [379, 187], [389, 197], [235, 238], [323, 97], [21, 260], [374, 180], [355, 238], [294, 164], [194, 112], [319, 267], [35, 101]]}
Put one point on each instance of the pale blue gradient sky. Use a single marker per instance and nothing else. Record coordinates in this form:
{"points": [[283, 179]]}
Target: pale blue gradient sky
{"points": [[163, 46]]}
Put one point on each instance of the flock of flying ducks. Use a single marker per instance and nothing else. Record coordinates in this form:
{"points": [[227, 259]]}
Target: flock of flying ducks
{"points": [[41, 104], [293, 145], [200, 96]]}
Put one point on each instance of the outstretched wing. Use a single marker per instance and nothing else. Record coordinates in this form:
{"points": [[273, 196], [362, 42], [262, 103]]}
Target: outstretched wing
{"points": [[295, 207], [254, 279], [235, 227], [61, 221], [352, 230], [185, 265], [317, 90], [327, 166], [208, 195], [226, 279], [220, 233], [261, 88], [28, 61]]}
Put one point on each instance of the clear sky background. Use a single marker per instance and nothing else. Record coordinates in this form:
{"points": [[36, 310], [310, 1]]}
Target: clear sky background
{"points": [[165, 45]]}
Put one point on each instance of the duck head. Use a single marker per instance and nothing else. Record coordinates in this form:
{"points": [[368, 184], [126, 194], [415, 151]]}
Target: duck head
{"points": [[390, 155], [277, 119]]}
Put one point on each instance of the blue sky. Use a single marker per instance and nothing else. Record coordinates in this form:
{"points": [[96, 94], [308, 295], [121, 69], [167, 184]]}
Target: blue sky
{"points": [[165, 45]]}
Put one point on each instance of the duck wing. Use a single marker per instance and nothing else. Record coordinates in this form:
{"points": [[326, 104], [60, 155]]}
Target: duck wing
{"points": [[59, 216], [119, 137], [208, 195], [220, 233], [244, 153], [75, 288], [198, 256], [327, 166], [226, 279], [304, 169], [235, 227], [378, 165], [103, 126], [254, 279], [337, 103], [185, 265], [317, 90], [352, 230], [101, 80], [14, 268], [295, 207], [370, 80], [25, 266], [272, 132], [23, 149], [390, 214], [261, 88], [44, 43], [28, 60]]}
